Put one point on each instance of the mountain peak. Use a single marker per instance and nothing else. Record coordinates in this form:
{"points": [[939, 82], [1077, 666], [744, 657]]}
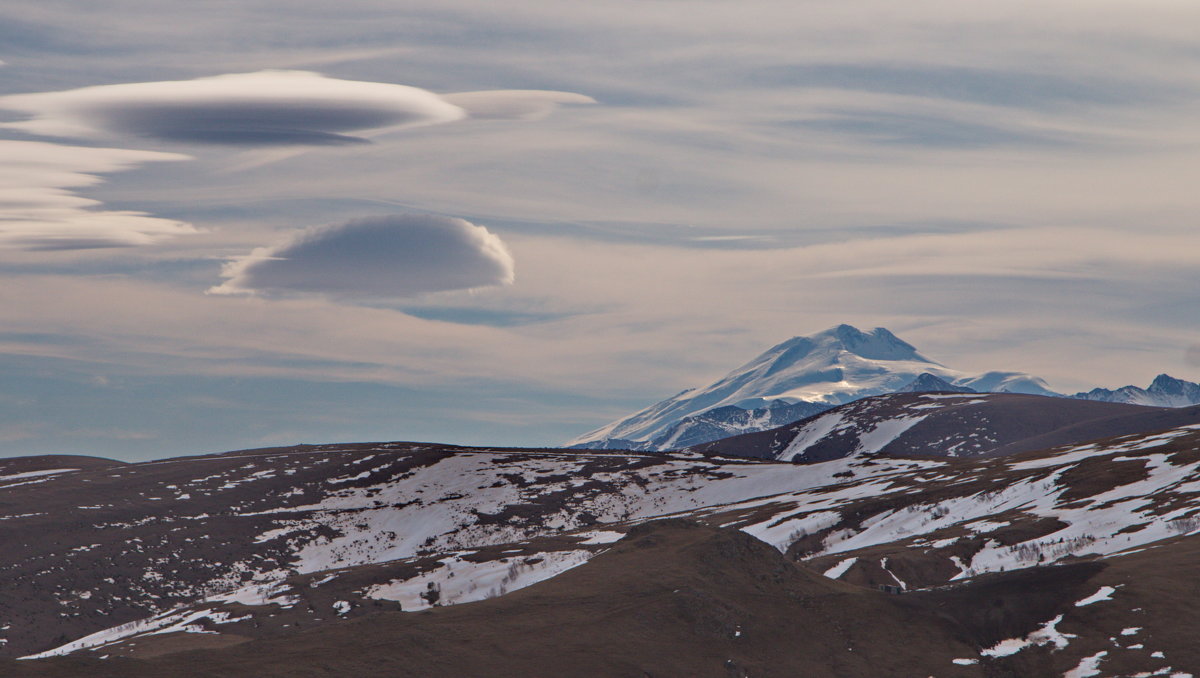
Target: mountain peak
{"points": [[1167, 384], [930, 383], [878, 344], [846, 332]]}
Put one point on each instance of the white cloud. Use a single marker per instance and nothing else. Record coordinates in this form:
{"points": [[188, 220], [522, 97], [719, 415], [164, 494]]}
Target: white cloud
{"points": [[40, 211], [384, 257]]}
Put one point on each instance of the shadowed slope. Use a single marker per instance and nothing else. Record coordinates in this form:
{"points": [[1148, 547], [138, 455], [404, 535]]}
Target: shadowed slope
{"points": [[950, 425]]}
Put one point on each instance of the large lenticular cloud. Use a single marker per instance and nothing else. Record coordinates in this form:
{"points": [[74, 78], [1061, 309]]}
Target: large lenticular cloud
{"points": [[267, 108], [264, 108], [384, 257]]}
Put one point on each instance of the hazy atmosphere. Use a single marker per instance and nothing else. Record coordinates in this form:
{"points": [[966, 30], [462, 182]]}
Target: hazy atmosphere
{"points": [[244, 224]]}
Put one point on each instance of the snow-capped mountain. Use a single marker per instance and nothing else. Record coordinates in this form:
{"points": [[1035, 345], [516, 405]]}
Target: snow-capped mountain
{"points": [[822, 370], [1164, 391]]}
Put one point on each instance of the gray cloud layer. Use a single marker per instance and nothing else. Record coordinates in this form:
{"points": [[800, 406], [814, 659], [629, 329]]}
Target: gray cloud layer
{"points": [[868, 148], [382, 257]]}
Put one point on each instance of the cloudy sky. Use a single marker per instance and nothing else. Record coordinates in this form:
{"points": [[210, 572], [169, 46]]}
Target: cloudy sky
{"points": [[239, 224]]}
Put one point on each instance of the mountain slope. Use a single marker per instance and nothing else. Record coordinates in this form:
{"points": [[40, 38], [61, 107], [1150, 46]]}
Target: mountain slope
{"points": [[250, 549], [949, 425], [822, 370], [706, 602]]}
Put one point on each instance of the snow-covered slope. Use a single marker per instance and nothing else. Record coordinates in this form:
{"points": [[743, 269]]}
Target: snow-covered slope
{"points": [[1164, 391], [717, 423], [826, 369]]}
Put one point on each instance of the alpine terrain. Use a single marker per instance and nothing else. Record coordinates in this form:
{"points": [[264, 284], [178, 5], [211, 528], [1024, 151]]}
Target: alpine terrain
{"points": [[433, 560]]}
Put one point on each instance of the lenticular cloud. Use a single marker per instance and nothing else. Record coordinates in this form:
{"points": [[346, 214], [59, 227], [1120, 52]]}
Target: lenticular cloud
{"points": [[375, 258], [267, 108], [264, 108]]}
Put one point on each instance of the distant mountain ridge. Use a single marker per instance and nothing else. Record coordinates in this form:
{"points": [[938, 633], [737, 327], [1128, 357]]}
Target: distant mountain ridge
{"points": [[1164, 391]]}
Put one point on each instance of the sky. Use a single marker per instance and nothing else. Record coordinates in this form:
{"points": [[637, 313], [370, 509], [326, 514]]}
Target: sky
{"points": [[227, 225]]}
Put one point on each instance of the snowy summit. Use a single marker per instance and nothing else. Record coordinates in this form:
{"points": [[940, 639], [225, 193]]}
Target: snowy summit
{"points": [[799, 377]]}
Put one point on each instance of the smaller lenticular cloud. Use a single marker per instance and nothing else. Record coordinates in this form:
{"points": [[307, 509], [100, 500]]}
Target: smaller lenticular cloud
{"points": [[267, 108], [385, 257], [514, 104]]}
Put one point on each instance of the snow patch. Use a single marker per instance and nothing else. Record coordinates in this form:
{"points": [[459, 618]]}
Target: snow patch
{"points": [[883, 564], [1047, 635], [884, 433], [1105, 593], [838, 570], [601, 537], [1088, 666], [36, 474], [783, 533], [167, 622], [813, 431], [273, 593]]}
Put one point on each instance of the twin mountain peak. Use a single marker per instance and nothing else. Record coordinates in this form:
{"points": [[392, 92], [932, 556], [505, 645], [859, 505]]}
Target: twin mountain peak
{"points": [[804, 376]]}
